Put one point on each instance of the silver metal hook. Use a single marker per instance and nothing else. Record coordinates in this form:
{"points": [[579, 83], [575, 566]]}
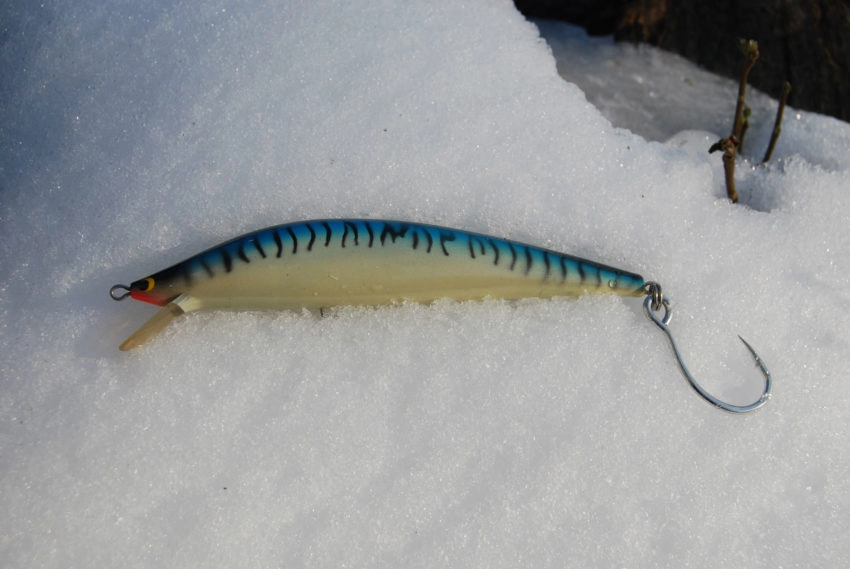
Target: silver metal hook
{"points": [[119, 292], [653, 297]]}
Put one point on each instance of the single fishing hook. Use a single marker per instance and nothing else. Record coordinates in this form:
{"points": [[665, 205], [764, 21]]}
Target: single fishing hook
{"points": [[653, 303], [119, 292]]}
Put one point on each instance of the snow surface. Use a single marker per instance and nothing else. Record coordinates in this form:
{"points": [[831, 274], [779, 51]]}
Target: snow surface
{"points": [[530, 434]]}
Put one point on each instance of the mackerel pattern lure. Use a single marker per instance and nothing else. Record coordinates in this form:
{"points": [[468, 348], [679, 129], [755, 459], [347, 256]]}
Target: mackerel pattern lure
{"points": [[335, 262]]}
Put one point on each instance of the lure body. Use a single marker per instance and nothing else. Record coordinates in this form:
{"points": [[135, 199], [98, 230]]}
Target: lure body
{"points": [[323, 263], [317, 264]]}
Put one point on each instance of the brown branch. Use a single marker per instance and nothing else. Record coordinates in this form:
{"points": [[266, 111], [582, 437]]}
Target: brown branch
{"points": [[729, 146], [751, 50], [746, 125], [777, 125]]}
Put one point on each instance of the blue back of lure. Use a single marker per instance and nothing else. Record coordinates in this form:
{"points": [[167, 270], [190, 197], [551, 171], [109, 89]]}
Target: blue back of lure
{"points": [[322, 263]]}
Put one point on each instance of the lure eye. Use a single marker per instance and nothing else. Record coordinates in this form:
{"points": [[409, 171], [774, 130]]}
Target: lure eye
{"points": [[135, 290], [144, 285]]}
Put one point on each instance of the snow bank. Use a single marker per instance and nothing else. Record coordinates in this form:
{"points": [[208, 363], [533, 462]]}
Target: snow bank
{"points": [[537, 433]]}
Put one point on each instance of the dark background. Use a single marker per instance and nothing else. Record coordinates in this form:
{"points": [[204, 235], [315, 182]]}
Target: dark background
{"points": [[805, 42]]}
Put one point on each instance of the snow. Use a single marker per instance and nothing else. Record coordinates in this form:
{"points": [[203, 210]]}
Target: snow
{"points": [[536, 433]]}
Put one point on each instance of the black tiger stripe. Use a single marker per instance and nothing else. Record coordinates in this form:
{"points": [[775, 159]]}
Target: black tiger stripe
{"points": [[513, 254], [278, 242], [312, 236], [327, 233], [393, 233], [430, 240], [547, 264], [415, 239], [563, 268], [227, 260], [186, 273], [598, 276], [294, 240], [528, 260], [346, 225], [446, 236], [586, 270], [495, 251], [371, 233], [241, 252], [259, 247], [207, 268], [473, 241]]}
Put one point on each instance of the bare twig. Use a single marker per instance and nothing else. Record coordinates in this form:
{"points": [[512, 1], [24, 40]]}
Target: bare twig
{"points": [[729, 145], [746, 112], [750, 48], [777, 125]]}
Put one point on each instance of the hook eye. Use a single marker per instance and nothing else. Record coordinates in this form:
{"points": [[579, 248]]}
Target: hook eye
{"points": [[119, 292], [650, 311]]}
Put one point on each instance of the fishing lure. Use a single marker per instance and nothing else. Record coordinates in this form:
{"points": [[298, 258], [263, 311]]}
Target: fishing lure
{"points": [[323, 263]]}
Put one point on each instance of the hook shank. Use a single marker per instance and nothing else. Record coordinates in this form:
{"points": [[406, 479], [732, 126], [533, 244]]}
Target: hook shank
{"points": [[662, 323]]}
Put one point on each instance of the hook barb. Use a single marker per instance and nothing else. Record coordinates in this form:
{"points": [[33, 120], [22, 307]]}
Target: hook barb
{"points": [[662, 323]]}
